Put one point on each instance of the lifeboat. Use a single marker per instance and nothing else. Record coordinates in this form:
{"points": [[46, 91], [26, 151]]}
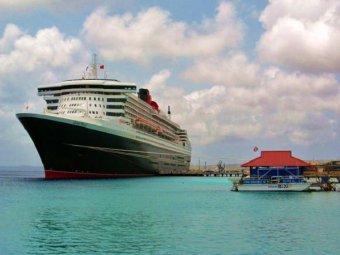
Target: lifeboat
{"points": [[143, 122]]}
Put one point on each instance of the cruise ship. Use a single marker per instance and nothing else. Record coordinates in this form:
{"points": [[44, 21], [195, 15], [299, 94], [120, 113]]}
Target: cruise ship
{"points": [[104, 128]]}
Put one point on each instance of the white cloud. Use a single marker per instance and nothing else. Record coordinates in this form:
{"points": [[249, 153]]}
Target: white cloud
{"points": [[28, 61], [11, 34], [232, 70], [25, 3], [295, 106], [167, 95], [158, 81], [240, 101], [203, 112], [50, 5], [152, 33], [47, 48], [302, 34]]}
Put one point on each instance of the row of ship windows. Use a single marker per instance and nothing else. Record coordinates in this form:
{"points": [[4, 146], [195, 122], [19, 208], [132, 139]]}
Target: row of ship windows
{"points": [[108, 113], [72, 98], [115, 114], [121, 100], [81, 98], [68, 94], [53, 101], [95, 105], [86, 86], [74, 111], [110, 106]]}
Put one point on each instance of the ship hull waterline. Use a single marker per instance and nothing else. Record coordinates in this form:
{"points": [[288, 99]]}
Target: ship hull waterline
{"points": [[70, 151]]}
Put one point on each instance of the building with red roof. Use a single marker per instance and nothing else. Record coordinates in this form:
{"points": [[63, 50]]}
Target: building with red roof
{"points": [[274, 171], [276, 159], [276, 163]]}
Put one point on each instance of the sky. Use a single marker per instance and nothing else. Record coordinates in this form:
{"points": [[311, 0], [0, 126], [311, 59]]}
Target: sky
{"points": [[237, 74]]}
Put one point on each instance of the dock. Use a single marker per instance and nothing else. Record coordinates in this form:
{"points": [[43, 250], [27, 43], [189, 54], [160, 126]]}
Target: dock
{"points": [[323, 175], [218, 171]]}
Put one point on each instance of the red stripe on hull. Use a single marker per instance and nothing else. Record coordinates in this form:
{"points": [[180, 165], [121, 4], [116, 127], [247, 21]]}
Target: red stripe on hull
{"points": [[50, 174]]}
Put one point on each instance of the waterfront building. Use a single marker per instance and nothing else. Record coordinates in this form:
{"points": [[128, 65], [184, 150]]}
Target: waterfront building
{"points": [[274, 171]]}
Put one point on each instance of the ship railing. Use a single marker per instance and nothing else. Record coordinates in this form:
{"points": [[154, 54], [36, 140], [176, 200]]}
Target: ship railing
{"points": [[292, 179]]}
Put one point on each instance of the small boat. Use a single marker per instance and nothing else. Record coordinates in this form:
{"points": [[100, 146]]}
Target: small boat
{"points": [[273, 183]]}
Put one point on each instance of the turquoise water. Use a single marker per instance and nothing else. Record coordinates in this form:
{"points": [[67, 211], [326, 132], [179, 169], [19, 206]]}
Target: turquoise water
{"points": [[169, 215]]}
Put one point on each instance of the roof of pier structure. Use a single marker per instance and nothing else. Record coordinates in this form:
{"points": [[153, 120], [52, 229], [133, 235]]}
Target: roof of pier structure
{"points": [[275, 158]]}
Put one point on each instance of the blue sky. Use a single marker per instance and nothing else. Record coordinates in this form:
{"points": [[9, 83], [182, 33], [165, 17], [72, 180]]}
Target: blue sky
{"points": [[237, 74]]}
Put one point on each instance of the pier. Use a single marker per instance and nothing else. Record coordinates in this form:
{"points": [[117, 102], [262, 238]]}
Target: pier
{"points": [[323, 175], [217, 170]]}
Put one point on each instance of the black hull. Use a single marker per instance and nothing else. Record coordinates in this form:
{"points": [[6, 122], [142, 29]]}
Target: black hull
{"points": [[70, 150]]}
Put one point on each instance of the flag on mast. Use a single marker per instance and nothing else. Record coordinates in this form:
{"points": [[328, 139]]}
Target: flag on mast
{"points": [[101, 67]]}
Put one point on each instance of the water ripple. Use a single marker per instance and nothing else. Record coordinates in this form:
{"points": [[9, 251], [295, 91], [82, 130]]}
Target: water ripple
{"points": [[163, 216]]}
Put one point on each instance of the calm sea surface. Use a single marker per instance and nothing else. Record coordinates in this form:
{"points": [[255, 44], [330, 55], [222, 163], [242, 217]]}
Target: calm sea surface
{"points": [[169, 215]]}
